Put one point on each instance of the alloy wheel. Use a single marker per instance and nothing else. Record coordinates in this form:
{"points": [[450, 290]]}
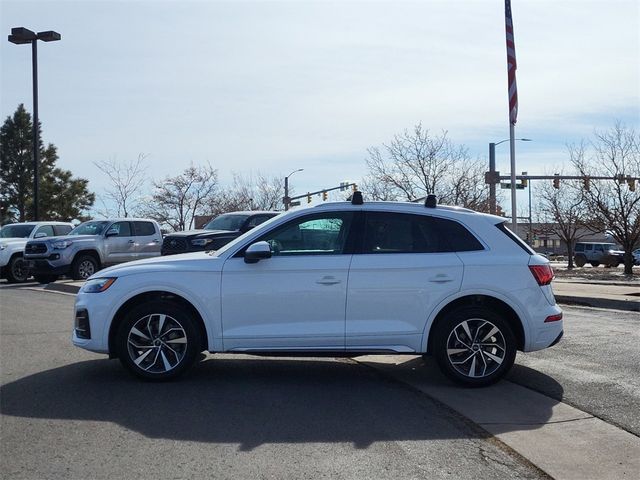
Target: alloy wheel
{"points": [[157, 343], [86, 269], [476, 348]]}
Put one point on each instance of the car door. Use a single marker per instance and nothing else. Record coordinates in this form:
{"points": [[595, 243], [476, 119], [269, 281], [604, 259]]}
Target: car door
{"points": [[295, 299], [403, 271], [119, 243], [148, 240]]}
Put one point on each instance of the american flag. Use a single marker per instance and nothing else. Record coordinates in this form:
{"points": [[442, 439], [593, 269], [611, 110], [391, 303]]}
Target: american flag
{"points": [[511, 64]]}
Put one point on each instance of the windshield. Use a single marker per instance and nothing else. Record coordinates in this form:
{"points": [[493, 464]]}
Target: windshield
{"points": [[89, 228], [228, 221], [16, 231]]}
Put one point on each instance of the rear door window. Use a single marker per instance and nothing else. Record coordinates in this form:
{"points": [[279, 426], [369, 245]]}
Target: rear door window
{"points": [[144, 229], [59, 230], [387, 232]]}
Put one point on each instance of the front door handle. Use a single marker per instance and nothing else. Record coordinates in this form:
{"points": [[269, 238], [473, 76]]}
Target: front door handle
{"points": [[328, 280], [132, 241], [441, 278]]}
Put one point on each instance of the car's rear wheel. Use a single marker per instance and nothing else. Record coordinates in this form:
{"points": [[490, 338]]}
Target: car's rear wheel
{"points": [[83, 267], [17, 270], [158, 341], [595, 264], [474, 346], [580, 261]]}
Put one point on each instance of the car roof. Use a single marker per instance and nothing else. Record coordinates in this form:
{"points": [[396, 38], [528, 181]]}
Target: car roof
{"points": [[252, 212], [52, 222]]}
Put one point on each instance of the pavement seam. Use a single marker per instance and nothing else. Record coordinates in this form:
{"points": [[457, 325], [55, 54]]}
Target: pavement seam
{"points": [[540, 423], [482, 434]]}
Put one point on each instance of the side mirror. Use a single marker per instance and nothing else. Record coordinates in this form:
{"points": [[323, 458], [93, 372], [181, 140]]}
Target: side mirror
{"points": [[112, 232], [40, 235], [256, 252]]}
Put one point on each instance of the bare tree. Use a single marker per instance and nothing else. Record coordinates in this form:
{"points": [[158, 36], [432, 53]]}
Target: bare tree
{"points": [[416, 163], [127, 180], [252, 192], [615, 204], [177, 200], [567, 211]]}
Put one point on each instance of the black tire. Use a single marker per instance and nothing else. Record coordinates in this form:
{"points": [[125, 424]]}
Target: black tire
{"points": [[141, 331], [451, 343], [595, 264], [615, 263], [83, 266], [580, 261], [42, 279], [17, 270]]}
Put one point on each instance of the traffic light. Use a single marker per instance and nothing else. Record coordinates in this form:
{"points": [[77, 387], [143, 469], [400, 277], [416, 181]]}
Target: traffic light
{"points": [[324, 196], [556, 181], [632, 184], [524, 181], [587, 183], [308, 197], [354, 187]]}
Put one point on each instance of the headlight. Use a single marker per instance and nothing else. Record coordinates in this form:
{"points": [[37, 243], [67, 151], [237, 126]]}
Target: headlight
{"points": [[97, 285], [201, 242], [61, 244]]}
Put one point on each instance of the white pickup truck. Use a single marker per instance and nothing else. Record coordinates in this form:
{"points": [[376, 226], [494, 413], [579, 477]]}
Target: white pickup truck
{"points": [[14, 237]]}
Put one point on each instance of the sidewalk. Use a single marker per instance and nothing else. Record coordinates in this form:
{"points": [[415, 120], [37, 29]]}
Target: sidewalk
{"points": [[601, 294]]}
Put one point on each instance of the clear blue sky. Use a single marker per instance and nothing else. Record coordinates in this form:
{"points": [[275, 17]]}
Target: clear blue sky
{"points": [[275, 86]]}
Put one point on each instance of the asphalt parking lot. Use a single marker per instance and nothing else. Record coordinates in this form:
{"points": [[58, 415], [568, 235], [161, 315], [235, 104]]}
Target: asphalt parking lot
{"points": [[67, 413]]}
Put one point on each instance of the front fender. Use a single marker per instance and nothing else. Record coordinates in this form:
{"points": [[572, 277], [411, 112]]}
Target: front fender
{"points": [[203, 294]]}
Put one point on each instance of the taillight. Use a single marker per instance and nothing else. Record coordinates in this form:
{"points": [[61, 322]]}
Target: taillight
{"points": [[542, 273], [553, 318]]}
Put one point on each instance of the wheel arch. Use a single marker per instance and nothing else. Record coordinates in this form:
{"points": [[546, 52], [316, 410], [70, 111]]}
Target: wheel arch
{"points": [[155, 295], [88, 251], [480, 300]]}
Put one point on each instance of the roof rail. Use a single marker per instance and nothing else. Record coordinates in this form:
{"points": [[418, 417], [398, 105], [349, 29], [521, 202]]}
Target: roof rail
{"points": [[430, 201]]}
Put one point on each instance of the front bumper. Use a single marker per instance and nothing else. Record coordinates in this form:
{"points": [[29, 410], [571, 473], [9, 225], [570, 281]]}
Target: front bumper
{"points": [[42, 266]]}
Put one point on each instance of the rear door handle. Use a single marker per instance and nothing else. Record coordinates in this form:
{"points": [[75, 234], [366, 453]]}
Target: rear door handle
{"points": [[441, 278], [132, 241], [328, 280]]}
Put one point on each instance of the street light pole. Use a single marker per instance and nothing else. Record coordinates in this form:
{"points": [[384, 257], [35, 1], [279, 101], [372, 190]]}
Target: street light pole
{"points": [[286, 199], [492, 173], [19, 36]]}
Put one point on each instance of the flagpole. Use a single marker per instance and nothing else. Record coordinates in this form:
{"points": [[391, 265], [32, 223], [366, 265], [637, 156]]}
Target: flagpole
{"points": [[514, 213]]}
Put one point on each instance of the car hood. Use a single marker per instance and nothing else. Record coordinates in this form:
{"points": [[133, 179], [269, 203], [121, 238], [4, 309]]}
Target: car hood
{"points": [[186, 262], [197, 233], [13, 240], [72, 238]]}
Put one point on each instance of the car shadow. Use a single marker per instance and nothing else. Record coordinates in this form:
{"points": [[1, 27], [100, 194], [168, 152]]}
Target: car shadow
{"points": [[242, 400]]}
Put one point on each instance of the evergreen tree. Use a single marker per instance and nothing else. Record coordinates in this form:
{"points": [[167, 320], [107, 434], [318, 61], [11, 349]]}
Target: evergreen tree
{"points": [[62, 197]]}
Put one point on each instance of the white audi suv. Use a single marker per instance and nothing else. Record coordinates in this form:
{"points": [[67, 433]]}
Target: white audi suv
{"points": [[340, 279]]}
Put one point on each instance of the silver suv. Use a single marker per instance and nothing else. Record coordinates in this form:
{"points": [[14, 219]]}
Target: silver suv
{"points": [[597, 253], [91, 246]]}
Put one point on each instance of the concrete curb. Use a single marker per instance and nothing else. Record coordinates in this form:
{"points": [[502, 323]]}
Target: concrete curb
{"points": [[63, 287], [560, 440], [631, 305]]}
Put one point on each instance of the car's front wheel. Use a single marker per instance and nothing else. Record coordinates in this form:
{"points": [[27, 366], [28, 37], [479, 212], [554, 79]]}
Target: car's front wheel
{"points": [[474, 346], [158, 341], [17, 270], [83, 267]]}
